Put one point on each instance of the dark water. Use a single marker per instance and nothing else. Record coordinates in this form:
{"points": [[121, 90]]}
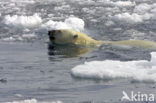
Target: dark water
{"points": [[32, 69]]}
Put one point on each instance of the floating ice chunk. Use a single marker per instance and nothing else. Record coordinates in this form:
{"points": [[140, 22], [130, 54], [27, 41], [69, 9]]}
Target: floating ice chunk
{"points": [[24, 1], [23, 37], [63, 7], [131, 18], [75, 23], [22, 21], [13, 38], [142, 8], [153, 10], [109, 23], [109, 69], [69, 23], [29, 36], [146, 16], [33, 101], [128, 18], [53, 25], [123, 3], [147, 10], [118, 3], [18, 95], [9, 39]]}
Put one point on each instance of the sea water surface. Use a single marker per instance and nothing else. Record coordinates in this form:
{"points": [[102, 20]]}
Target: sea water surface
{"points": [[33, 72]]}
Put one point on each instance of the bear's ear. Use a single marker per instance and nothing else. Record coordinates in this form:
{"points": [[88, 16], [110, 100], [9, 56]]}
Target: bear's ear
{"points": [[75, 36]]}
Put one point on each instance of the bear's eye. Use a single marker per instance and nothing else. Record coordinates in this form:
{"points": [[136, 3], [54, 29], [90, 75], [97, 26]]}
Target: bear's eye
{"points": [[75, 36]]}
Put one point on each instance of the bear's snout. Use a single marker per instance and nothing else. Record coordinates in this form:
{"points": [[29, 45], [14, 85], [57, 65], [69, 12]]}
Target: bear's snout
{"points": [[53, 31], [52, 38], [51, 35]]}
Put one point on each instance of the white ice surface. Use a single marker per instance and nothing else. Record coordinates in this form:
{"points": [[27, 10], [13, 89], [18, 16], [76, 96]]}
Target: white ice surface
{"points": [[33, 101], [69, 23], [109, 69], [22, 21]]}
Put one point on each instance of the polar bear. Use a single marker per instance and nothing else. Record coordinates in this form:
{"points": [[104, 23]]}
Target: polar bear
{"points": [[65, 36]]}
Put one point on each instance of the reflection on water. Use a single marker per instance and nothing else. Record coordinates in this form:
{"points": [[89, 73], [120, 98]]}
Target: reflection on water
{"points": [[122, 53], [67, 51], [104, 52]]}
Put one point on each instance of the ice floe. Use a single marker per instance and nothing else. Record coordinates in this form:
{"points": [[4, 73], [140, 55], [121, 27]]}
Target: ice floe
{"points": [[23, 37], [123, 3], [33, 101], [24, 1], [109, 69], [22, 21], [142, 8], [69, 23], [131, 18]]}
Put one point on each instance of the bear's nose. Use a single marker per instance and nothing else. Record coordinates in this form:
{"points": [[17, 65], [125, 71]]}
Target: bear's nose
{"points": [[51, 32], [52, 38]]}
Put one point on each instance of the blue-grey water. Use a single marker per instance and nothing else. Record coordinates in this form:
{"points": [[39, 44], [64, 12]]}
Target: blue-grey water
{"points": [[29, 69]]}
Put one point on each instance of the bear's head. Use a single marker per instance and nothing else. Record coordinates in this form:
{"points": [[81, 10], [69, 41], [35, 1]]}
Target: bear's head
{"points": [[63, 36], [66, 36]]}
